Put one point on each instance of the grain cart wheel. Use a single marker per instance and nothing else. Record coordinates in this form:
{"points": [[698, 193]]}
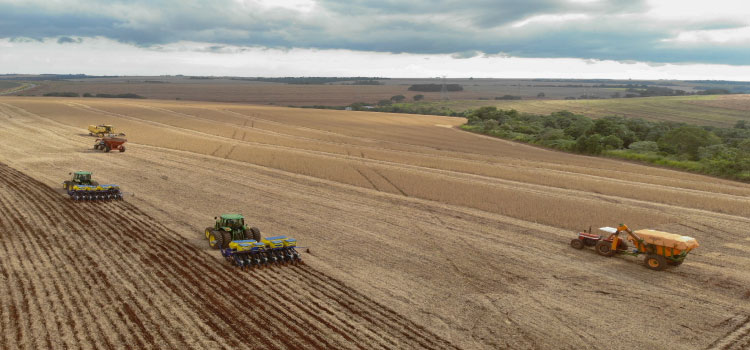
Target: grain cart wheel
{"points": [[604, 248], [215, 240], [576, 243], [106, 148], [256, 233], [122, 148], [226, 237], [655, 262]]}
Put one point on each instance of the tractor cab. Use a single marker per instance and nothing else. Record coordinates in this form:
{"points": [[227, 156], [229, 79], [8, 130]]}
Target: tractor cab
{"points": [[82, 177], [106, 128], [231, 222]]}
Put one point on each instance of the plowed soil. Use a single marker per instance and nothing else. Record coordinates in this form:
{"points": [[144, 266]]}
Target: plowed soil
{"points": [[419, 236]]}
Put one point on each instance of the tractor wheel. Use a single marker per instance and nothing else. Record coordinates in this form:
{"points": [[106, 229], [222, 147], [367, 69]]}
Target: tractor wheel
{"points": [[122, 148], [604, 248], [226, 237], [655, 262], [106, 148], [576, 243], [215, 240], [256, 233], [208, 231]]}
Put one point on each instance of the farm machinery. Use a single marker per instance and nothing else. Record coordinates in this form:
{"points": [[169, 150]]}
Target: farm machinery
{"points": [[82, 187], [107, 144], [103, 130], [660, 248], [244, 247]]}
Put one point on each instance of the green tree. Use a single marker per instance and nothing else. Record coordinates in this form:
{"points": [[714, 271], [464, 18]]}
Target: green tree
{"points": [[590, 144], [687, 140], [419, 97], [490, 124], [644, 146], [611, 142], [398, 98]]}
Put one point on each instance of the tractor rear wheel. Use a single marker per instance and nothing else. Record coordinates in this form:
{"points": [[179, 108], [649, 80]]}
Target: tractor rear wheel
{"points": [[576, 243], [215, 240], [256, 233], [655, 262], [226, 237], [208, 231], [604, 248]]}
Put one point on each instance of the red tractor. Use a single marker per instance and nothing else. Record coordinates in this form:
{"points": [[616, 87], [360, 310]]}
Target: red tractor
{"points": [[107, 144]]}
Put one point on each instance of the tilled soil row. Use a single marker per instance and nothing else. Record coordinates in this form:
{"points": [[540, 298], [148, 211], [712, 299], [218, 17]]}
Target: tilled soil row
{"points": [[106, 275]]}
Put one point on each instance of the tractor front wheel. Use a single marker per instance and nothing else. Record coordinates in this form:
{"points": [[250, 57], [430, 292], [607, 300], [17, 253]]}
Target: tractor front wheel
{"points": [[576, 243], [655, 262], [604, 248], [215, 240]]}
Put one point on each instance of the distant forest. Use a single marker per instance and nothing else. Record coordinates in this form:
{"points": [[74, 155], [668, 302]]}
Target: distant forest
{"points": [[435, 87], [315, 80]]}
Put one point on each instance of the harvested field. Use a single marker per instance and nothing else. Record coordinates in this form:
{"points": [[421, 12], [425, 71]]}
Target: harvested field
{"points": [[452, 236]]}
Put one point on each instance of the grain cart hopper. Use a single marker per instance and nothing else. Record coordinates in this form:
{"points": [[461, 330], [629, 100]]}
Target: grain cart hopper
{"points": [[660, 248], [81, 187], [228, 228], [107, 144], [103, 130]]}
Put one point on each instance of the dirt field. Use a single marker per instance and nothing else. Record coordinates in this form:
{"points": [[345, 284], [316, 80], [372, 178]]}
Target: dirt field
{"points": [[334, 94], [419, 235]]}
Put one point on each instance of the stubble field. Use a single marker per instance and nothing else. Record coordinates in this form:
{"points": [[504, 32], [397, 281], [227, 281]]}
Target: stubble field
{"points": [[454, 236]]}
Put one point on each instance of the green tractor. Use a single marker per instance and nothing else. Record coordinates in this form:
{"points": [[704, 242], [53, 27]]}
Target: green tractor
{"points": [[230, 227], [79, 178]]}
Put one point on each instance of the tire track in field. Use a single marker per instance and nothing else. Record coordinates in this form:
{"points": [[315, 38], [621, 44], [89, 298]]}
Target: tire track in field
{"points": [[737, 339]]}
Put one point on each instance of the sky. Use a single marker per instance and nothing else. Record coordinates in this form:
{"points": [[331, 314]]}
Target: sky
{"points": [[637, 39]]}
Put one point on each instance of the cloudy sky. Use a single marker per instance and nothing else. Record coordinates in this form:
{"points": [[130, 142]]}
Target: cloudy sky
{"points": [[640, 39]]}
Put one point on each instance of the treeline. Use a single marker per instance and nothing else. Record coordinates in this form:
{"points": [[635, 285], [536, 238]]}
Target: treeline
{"points": [[387, 107], [435, 87], [723, 152], [75, 94], [314, 80]]}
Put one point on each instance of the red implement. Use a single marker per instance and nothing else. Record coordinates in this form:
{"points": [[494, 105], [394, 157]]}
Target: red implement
{"points": [[107, 144]]}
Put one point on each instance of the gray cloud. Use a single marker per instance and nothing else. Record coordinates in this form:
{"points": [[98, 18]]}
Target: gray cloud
{"points": [[606, 29]]}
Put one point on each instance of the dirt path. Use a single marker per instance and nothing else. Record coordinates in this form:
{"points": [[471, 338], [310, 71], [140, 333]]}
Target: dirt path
{"points": [[477, 255]]}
